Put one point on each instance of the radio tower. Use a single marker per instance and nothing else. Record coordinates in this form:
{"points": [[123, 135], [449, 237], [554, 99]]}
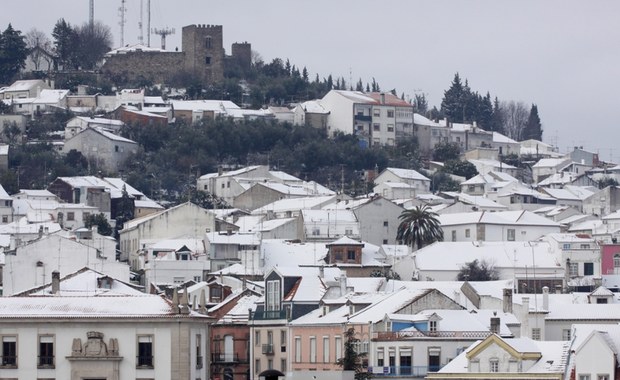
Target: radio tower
{"points": [[163, 33], [121, 12], [141, 25], [91, 13], [148, 23]]}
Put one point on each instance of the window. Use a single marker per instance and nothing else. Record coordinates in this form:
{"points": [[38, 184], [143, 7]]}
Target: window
{"points": [[269, 363], [283, 365], [9, 351], [208, 42], [5, 219], [273, 295], [494, 365], [145, 351], [316, 231], [390, 113], [380, 357], [602, 377], [616, 261], [385, 223], [376, 127], [312, 349], [198, 351], [385, 241], [207, 60], [584, 377], [453, 235], [536, 333], [257, 366], [467, 233], [348, 232], [116, 148], [566, 246], [297, 349], [511, 234], [46, 351], [405, 361], [376, 112], [70, 215], [338, 344], [283, 338], [566, 334], [432, 326], [573, 269], [588, 269], [390, 128], [326, 349], [350, 255], [584, 246]]}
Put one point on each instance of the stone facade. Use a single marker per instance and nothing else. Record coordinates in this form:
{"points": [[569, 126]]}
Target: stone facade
{"points": [[202, 55]]}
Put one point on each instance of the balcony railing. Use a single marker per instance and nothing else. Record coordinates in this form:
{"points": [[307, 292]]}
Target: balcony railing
{"points": [[403, 371], [219, 357], [268, 349], [268, 314], [405, 335], [362, 118]]}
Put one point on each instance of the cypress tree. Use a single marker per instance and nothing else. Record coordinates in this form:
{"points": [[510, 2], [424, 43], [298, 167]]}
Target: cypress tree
{"points": [[533, 128]]}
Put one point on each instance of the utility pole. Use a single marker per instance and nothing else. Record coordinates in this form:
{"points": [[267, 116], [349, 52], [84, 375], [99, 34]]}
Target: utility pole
{"points": [[91, 13], [141, 24], [148, 23]]}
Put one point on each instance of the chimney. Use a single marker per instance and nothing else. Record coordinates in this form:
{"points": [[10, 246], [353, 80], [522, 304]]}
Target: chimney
{"points": [[343, 284], [40, 232], [545, 290], [495, 323], [321, 272], [525, 318], [55, 282], [382, 98], [507, 301], [220, 171], [203, 302]]}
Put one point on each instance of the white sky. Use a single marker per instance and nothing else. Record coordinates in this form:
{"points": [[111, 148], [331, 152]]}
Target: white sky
{"points": [[563, 55]]}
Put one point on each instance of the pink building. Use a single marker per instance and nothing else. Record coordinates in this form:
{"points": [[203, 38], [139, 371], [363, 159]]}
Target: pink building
{"points": [[610, 259]]}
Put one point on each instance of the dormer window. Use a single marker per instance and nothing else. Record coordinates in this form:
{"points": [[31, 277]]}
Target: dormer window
{"points": [[432, 326], [273, 295]]}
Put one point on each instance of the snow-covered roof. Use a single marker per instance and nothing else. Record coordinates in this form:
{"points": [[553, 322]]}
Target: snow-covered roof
{"points": [[295, 204], [239, 312], [313, 106], [549, 162], [23, 85], [499, 138], [233, 238], [518, 217], [48, 96], [407, 174], [135, 48], [100, 120], [451, 256]]}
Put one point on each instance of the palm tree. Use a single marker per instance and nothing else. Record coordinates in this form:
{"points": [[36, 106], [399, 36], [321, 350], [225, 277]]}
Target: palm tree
{"points": [[419, 227]]}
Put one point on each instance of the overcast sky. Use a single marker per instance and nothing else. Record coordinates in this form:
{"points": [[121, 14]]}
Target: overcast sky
{"points": [[563, 55]]}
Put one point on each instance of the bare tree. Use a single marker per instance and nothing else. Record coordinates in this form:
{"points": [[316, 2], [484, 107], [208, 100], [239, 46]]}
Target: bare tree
{"points": [[93, 43], [515, 115], [39, 46]]}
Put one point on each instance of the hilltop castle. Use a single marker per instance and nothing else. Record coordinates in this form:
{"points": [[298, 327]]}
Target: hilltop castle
{"points": [[202, 55]]}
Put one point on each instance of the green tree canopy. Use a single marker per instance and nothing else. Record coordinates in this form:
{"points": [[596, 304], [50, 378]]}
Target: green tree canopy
{"points": [[13, 54], [478, 271], [533, 127], [419, 227], [352, 359]]}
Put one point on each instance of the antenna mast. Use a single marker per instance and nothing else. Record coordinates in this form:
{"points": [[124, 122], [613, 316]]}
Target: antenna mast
{"points": [[141, 24], [163, 33], [91, 13], [121, 12], [148, 23]]}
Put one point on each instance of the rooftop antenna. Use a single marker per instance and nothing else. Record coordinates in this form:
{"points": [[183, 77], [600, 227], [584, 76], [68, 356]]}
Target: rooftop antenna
{"points": [[121, 13], [163, 33]]}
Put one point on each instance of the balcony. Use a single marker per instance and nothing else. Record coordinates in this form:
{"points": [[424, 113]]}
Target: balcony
{"points": [[268, 315], [362, 118], [267, 349], [403, 371], [221, 358], [406, 335]]}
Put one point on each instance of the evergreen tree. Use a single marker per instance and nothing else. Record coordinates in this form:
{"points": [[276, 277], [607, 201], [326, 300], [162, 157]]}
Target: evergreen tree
{"points": [[375, 86], [330, 82], [497, 118], [287, 67], [304, 74], [359, 86], [485, 113], [478, 271], [533, 128], [352, 359], [367, 87], [420, 104], [13, 54], [99, 220], [453, 102], [65, 42]]}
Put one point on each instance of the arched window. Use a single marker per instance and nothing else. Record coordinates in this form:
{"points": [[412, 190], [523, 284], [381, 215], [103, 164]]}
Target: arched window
{"points": [[617, 260]]}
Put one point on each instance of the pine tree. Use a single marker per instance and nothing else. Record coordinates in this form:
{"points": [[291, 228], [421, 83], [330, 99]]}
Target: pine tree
{"points": [[452, 104], [497, 118], [485, 113], [375, 86], [533, 128], [359, 86], [13, 54], [287, 67], [65, 42]]}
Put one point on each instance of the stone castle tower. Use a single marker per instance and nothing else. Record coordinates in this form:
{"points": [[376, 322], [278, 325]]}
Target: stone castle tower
{"points": [[202, 55], [203, 46]]}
